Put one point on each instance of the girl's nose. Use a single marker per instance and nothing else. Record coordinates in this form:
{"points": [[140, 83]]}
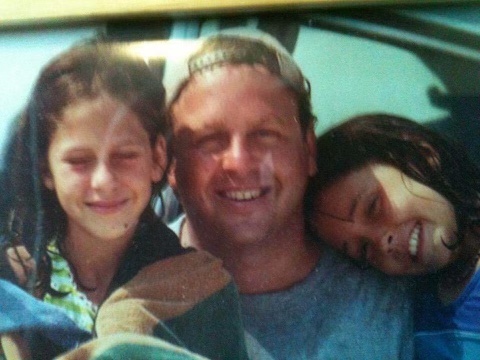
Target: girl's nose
{"points": [[382, 239], [103, 177], [388, 241]]}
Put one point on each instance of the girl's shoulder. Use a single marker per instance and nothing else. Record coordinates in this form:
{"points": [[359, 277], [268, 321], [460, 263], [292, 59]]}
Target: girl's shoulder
{"points": [[472, 290], [153, 241]]}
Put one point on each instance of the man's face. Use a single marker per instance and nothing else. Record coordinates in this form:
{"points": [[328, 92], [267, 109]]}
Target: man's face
{"points": [[241, 161]]}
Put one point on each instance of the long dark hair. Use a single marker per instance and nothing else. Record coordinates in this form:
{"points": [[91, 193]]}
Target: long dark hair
{"points": [[420, 153], [32, 213]]}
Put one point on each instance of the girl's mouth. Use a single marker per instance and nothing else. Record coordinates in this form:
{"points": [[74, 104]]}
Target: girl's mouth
{"points": [[414, 240]]}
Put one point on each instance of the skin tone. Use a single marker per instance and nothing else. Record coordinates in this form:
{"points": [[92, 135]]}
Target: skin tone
{"points": [[101, 167], [241, 164], [380, 216], [14, 346], [21, 262]]}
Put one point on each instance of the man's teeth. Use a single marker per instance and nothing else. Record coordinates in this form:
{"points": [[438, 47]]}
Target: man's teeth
{"points": [[413, 242], [243, 195]]}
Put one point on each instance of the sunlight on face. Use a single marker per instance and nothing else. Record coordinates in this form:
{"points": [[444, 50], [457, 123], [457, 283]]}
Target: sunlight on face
{"points": [[101, 167], [381, 216], [242, 162]]}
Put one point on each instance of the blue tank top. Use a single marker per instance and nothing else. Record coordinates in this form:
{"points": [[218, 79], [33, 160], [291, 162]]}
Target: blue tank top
{"points": [[452, 331]]}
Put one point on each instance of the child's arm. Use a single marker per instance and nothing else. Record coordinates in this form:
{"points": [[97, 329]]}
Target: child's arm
{"points": [[189, 300], [14, 347], [21, 262]]}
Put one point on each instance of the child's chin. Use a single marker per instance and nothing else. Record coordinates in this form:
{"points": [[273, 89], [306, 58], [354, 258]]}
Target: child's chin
{"points": [[113, 232]]}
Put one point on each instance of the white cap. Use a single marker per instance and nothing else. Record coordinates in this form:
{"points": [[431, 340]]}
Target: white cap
{"points": [[235, 46]]}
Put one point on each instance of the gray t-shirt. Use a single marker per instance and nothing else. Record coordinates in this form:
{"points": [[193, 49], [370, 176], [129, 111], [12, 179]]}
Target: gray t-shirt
{"points": [[338, 312]]}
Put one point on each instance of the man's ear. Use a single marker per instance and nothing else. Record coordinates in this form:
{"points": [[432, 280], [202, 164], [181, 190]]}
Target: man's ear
{"points": [[172, 178], [159, 153], [312, 151]]}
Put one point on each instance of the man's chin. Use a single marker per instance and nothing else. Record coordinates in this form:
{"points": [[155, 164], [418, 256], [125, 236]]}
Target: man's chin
{"points": [[244, 232]]}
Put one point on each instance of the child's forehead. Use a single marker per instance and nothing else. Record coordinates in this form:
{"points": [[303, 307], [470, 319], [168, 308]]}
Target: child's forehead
{"points": [[95, 102], [101, 118]]}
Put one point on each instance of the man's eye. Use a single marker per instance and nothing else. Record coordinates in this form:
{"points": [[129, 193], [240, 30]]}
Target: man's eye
{"points": [[266, 134], [210, 144]]}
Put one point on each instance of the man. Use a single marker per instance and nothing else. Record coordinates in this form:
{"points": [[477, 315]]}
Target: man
{"points": [[243, 151]]}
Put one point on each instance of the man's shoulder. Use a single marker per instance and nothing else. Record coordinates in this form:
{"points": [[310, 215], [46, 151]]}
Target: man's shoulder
{"points": [[335, 289], [339, 304], [345, 277]]}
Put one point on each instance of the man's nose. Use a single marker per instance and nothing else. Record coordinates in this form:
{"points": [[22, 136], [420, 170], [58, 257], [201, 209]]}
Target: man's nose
{"points": [[237, 156]]}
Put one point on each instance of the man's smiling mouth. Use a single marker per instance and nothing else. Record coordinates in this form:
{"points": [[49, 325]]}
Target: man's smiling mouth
{"points": [[244, 195]]}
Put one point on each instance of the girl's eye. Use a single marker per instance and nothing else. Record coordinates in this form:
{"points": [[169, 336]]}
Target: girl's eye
{"points": [[373, 206], [364, 252], [79, 161], [362, 260]]}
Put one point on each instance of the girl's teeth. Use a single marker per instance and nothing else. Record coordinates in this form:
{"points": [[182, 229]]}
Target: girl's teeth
{"points": [[413, 242]]}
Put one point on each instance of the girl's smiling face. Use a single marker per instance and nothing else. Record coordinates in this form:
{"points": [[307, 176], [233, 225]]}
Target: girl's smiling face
{"points": [[380, 216], [101, 166]]}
